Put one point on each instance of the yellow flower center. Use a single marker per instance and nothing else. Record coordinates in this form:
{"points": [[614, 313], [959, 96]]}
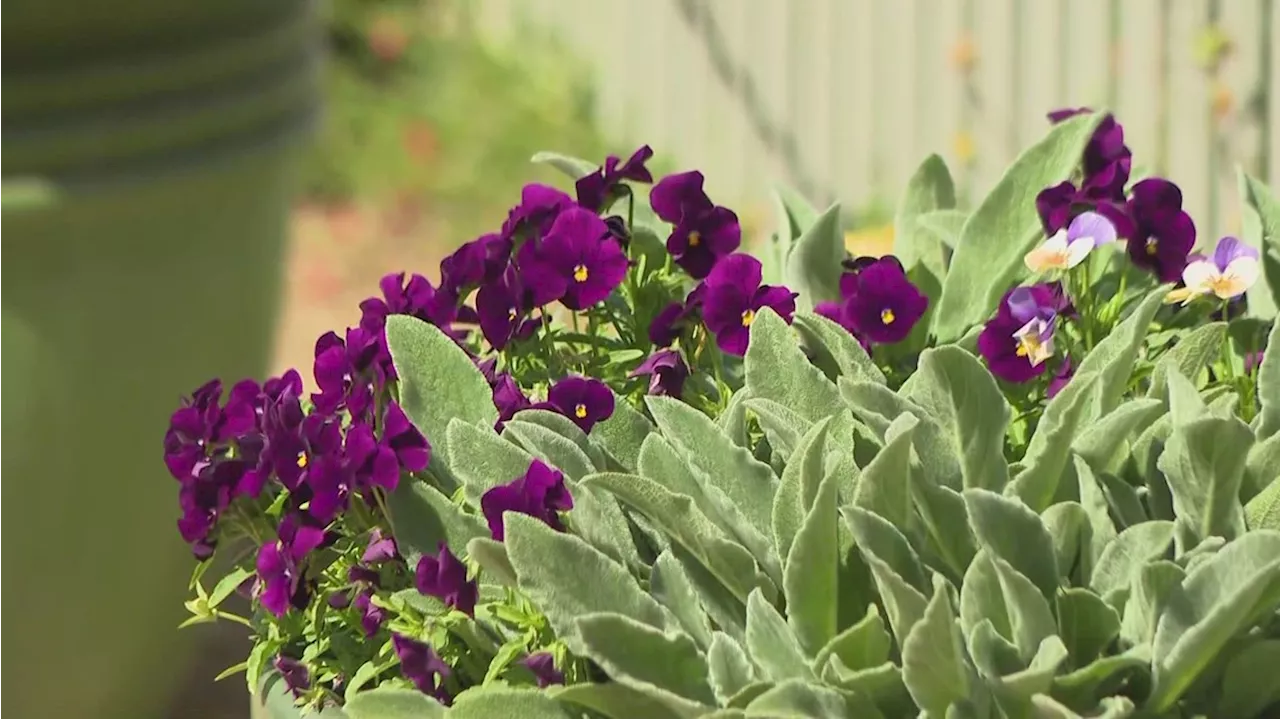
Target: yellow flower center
{"points": [[695, 238], [887, 317], [511, 313], [580, 273], [580, 411], [1151, 246], [302, 460], [748, 317], [1021, 351]]}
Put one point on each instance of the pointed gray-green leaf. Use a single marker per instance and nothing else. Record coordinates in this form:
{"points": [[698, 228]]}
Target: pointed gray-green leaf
{"points": [[564, 427], [810, 578], [550, 566], [747, 694], [492, 702], [796, 699], [678, 517], [862, 646], [885, 487], [1128, 552], [645, 658], [982, 598], [726, 610], [1269, 380], [493, 560], [877, 406], [1154, 585], [772, 645], [929, 189], [1220, 598], [1031, 618], [423, 518], [1194, 351], [1248, 684], [438, 382], [946, 520], [1123, 500], [1017, 688], [944, 225], [390, 703], [876, 536], [1068, 524], [1204, 465], [795, 213], [1261, 215], [1004, 227], [660, 462], [933, 658], [1263, 511], [622, 435], [1083, 684], [1101, 444], [1086, 623], [491, 460], [1049, 452], [733, 421], [1261, 467], [993, 655], [619, 701], [833, 343], [731, 669], [1016, 534], [962, 396], [782, 426], [1046, 707], [573, 167], [550, 447], [804, 471], [746, 481], [670, 585], [1094, 502], [1114, 356], [813, 266], [776, 369]]}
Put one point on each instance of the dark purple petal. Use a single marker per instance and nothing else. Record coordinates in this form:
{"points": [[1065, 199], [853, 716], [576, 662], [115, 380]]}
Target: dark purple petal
{"points": [[1061, 377], [667, 372], [380, 549], [884, 306], [678, 194], [422, 666], [540, 493], [445, 578], [294, 673], [583, 400], [371, 615], [999, 347], [411, 449], [543, 667]]}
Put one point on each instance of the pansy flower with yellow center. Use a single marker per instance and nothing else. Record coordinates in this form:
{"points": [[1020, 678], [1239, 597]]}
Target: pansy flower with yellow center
{"points": [[1232, 270], [1018, 342], [733, 297], [1070, 246]]}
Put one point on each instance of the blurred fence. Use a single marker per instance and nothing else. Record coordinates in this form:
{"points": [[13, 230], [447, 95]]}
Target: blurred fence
{"points": [[842, 98]]}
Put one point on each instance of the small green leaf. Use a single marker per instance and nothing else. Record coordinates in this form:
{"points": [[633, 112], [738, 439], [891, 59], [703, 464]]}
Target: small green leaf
{"points": [[782, 426], [944, 225], [771, 643], [1100, 444], [835, 346], [1261, 468], [1094, 502], [619, 701], [811, 574], [493, 560], [1195, 350], [1087, 623], [776, 369], [885, 486], [1248, 684], [946, 520], [438, 382], [642, 657], [1114, 356], [933, 658], [389, 703], [670, 585], [622, 435], [798, 700], [800, 480], [227, 586], [550, 566], [1263, 511], [1204, 465], [550, 447], [573, 167], [876, 536], [423, 518], [1261, 215], [929, 189], [813, 266], [493, 702], [1015, 534], [1269, 375], [1004, 227], [1049, 453], [490, 459], [730, 668], [1154, 585], [795, 214], [1127, 553], [962, 396], [864, 645], [878, 406], [564, 427], [1031, 618]]}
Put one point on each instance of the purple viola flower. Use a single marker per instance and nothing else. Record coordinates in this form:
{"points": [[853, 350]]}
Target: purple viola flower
{"points": [[703, 232], [666, 370], [732, 297], [1018, 341], [475, 263], [539, 207], [280, 574], [421, 665], [371, 615], [380, 548], [349, 372], [410, 447], [578, 254], [597, 189], [540, 493], [502, 310], [667, 324], [444, 577], [1162, 234], [837, 312], [294, 674], [543, 667], [202, 498], [418, 299], [203, 424], [1107, 160], [1060, 378], [583, 400], [508, 398], [1228, 274], [1069, 247], [882, 304]]}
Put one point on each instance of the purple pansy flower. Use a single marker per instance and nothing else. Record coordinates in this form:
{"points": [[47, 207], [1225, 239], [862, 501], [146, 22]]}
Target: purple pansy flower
{"points": [[1107, 160], [881, 304], [543, 667], [539, 206], [1069, 247], [202, 424], [595, 190], [734, 295], [503, 306], [348, 372], [371, 615], [294, 674], [202, 498], [444, 577], [1232, 270], [667, 372], [540, 492], [583, 400], [418, 299], [279, 568], [703, 232], [482, 260], [421, 665], [508, 398], [577, 254], [380, 548], [410, 447], [1017, 342], [1162, 234]]}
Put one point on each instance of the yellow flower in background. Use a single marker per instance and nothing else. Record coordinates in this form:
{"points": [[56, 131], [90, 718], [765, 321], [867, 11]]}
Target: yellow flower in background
{"points": [[1212, 46], [870, 241], [963, 148]]}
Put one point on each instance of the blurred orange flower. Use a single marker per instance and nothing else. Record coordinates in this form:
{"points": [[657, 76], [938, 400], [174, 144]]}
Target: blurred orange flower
{"points": [[388, 38], [964, 54]]}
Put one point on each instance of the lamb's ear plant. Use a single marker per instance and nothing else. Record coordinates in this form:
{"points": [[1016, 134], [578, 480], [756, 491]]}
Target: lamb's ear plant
{"points": [[1029, 467]]}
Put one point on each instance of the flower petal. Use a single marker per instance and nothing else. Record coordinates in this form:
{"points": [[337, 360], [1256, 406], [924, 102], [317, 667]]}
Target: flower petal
{"points": [[1091, 225], [1229, 250]]}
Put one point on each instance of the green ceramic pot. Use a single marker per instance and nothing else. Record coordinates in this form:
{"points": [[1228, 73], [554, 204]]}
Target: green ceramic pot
{"points": [[146, 193]]}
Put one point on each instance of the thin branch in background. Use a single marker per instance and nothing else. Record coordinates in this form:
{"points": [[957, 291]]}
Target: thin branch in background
{"points": [[1115, 32], [1163, 85], [1261, 101], [735, 78]]}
